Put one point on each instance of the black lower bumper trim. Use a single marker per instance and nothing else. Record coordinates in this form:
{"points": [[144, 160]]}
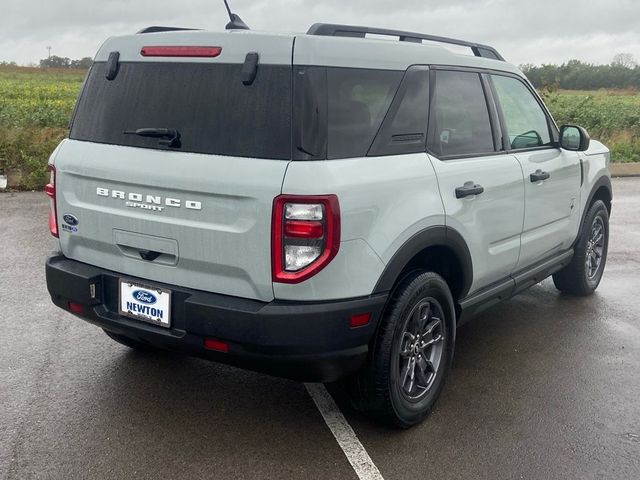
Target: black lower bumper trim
{"points": [[299, 340]]}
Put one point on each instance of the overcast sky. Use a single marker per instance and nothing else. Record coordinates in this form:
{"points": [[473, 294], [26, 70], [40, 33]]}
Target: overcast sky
{"points": [[542, 31]]}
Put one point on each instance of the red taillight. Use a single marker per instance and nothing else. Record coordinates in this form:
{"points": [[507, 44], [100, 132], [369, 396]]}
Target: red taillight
{"points": [[303, 229], [180, 51], [305, 235], [217, 345], [50, 190]]}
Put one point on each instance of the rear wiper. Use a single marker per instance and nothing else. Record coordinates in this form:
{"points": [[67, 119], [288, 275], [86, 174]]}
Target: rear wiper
{"points": [[171, 134]]}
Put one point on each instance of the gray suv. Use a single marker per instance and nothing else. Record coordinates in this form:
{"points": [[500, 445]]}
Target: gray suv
{"points": [[322, 206]]}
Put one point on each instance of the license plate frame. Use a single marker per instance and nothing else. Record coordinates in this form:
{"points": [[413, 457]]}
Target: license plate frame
{"points": [[151, 298]]}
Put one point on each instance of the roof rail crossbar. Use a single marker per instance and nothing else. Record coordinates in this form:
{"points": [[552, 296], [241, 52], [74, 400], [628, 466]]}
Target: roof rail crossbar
{"points": [[333, 30], [156, 29]]}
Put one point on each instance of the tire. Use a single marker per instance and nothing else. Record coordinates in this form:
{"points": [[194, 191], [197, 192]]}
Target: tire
{"points": [[577, 278], [383, 389], [131, 343]]}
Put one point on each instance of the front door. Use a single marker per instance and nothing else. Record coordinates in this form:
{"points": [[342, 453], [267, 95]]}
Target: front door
{"points": [[551, 174]]}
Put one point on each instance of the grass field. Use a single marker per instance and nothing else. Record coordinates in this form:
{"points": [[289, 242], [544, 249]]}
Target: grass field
{"points": [[35, 106], [611, 116]]}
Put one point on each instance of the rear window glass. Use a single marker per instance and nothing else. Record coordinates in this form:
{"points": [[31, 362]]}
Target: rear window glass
{"points": [[404, 128], [209, 105], [358, 100], [459, 123]]}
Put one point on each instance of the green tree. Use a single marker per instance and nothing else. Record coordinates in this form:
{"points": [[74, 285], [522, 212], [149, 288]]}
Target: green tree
{"points": [[83, 63], [625, 60], [623, 72], [55, 62]]}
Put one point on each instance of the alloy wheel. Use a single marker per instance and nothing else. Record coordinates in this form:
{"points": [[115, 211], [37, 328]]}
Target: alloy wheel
{"points": [[421, 349], [595, 248]]}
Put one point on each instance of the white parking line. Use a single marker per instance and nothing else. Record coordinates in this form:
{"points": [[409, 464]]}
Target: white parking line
{"points": [[343, 433]]}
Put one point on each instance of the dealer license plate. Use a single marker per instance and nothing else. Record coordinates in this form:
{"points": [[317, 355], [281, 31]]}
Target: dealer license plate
{"points": [[146, 303]]}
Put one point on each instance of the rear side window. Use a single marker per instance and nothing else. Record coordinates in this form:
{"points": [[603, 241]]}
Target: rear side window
{"points": [[404, 129], [459, 119], [524, 119], [208, 104], [358, 100], [337, 112]]}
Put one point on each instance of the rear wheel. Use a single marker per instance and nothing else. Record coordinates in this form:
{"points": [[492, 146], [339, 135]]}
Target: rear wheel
{"points": [[131, 343], [582, 276], [412, 353]]}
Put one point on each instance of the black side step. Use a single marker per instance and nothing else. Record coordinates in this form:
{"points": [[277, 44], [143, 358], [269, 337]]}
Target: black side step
{"points": [[511, 286]]}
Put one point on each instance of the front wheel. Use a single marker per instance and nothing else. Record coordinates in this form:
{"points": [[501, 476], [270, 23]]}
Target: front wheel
{"points": [[412, 353], [582, 276]]}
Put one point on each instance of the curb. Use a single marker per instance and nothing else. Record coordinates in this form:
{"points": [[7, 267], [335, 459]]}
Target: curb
{"points": [[625, 169]]}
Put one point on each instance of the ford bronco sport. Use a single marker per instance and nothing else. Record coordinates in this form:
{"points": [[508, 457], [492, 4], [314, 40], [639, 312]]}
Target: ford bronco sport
{"points": [[317, 206]]}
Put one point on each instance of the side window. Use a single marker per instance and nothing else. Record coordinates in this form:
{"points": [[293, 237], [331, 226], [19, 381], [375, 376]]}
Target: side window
{"points": [[358, 100], [404, 129], [459, 119], [309, 113], [525, 121]]}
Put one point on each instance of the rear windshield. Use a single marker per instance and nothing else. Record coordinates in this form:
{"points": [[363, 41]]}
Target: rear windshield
{"points": [[209, 105]]}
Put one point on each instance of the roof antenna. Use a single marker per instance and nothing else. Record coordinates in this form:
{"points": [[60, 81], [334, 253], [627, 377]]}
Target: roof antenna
{"points": [[236, 22]]}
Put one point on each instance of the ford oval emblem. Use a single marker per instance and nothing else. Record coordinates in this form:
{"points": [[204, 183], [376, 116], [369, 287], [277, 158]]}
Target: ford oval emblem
{"points": [[144, 297], [70, 219]]}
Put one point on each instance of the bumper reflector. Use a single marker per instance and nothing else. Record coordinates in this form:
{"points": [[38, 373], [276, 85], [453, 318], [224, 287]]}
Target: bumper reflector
{"points": [[216, 345], [76, 308], [359, 320]]}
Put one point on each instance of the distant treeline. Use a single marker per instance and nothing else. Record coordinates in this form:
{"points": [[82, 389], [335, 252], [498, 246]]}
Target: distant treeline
{"points": [[65, 62], [56, 62], [623, 72]]}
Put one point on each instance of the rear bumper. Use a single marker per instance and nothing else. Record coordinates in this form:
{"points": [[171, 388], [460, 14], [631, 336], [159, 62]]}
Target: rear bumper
{"points": [[298, 340]]}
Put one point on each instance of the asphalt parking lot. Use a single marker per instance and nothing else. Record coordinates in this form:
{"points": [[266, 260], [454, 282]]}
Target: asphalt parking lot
{"points": [[543, 386]]}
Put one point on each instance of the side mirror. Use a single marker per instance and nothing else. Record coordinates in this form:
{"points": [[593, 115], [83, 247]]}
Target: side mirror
{"points": [[573, 137]]}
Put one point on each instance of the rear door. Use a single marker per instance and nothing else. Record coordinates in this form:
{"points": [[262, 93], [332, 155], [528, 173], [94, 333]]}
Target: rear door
{"points": [[195, 214], [551, 174], [481, 187]]}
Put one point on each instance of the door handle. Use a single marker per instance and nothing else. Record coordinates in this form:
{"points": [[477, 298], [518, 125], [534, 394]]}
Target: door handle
{"points": [[468, 189], [149, 255], [538, 176]]}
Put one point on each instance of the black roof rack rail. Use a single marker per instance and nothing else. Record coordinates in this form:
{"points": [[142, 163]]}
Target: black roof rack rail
{"points": [[156, 29], [333, 30]]}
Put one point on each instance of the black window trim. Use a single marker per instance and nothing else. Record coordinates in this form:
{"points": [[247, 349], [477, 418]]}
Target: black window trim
{"points": [[494, 119], [506, 145]]}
